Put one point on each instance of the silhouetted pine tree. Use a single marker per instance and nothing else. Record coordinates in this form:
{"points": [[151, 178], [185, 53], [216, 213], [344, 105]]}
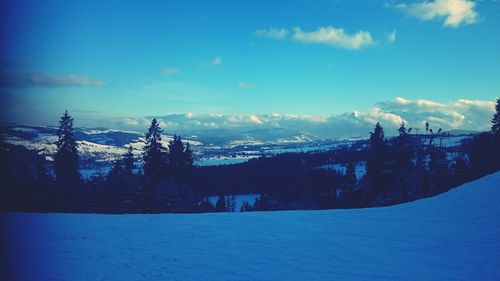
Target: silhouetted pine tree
{"points": [[437, 171], [175, 155], [66, 158], [123, 189], [155, 194], [20, 185], [206, 206], [188, 199], [351, 179], [112, 196], [376, 168], [483, 154], [220, 205], [231, 204], [154, 154], [495, 128], [131, 187], [68, 196], [402, 130], [180, 159], [402, 166], [459, 171], [176, 161], [421, 182], [128, 162], [117, 172], [246, 207], [188, 163], [45, 185]]}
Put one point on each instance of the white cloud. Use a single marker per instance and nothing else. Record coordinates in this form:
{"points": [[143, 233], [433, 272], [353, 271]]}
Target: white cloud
{"points": [[328, 35], [273, 33], [459, 114], [42, 79], [453, 12], [336, 37], [217, 61], [169, 70], [462, 114], [429, 104], [131, 121], [477, 103], [402, 100], [391, 37], [244, 85], [378, 115], [255, 119]]}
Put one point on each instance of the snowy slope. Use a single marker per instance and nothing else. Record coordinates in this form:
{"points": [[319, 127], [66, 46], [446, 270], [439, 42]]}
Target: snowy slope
{"points": [[453, 236]]}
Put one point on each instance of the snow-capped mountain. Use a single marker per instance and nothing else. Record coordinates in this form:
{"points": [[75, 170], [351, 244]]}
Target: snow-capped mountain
{"points": [[98, 147], [210, 146]]}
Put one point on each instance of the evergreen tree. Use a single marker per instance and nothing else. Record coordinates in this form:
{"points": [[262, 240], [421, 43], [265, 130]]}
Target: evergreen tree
{"points": [[376, 167], [121, 192], [437, 171], [117, 172], [246, 207], [495, 128], [231, 204], [66, 158], [176, 156], [420, 181], [206, 206], [132, 187], [459, 170], [220, 205], [180, 159], [188, 156], [351, 179], [402, 130], [483, 154], [154, 154], [128, 162], [402, 166], [111, 197]]}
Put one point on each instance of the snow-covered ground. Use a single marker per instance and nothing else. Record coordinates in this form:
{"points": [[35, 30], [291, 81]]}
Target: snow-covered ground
{"points": [[453, 236], [223, 160]]}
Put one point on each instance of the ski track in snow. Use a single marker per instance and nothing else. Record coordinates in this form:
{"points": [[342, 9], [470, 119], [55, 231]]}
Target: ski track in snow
{"points": [[453, 236]]}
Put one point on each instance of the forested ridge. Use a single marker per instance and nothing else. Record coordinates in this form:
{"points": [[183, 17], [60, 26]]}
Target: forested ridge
{"points": [[403, 168]]}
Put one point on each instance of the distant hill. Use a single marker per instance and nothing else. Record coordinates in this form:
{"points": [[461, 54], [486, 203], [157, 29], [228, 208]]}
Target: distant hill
{"points": [[98, 147]]}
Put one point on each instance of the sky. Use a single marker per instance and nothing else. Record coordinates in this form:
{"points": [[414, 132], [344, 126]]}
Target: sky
{"points": [[261, 62]]}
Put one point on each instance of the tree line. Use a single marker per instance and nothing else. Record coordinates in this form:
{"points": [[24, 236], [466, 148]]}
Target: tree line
{"points": [[407, 167]]}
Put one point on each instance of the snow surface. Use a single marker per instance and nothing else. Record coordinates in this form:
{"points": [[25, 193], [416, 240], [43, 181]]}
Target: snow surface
{"points": [[222, 160], [451, 140], [453, 236]]}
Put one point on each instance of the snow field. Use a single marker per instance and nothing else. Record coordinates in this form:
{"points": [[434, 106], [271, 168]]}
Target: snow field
{"points": [[453, 236]]}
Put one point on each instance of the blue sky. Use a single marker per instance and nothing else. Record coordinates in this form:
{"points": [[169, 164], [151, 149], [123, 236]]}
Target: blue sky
{"points": [[150, 58]]}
